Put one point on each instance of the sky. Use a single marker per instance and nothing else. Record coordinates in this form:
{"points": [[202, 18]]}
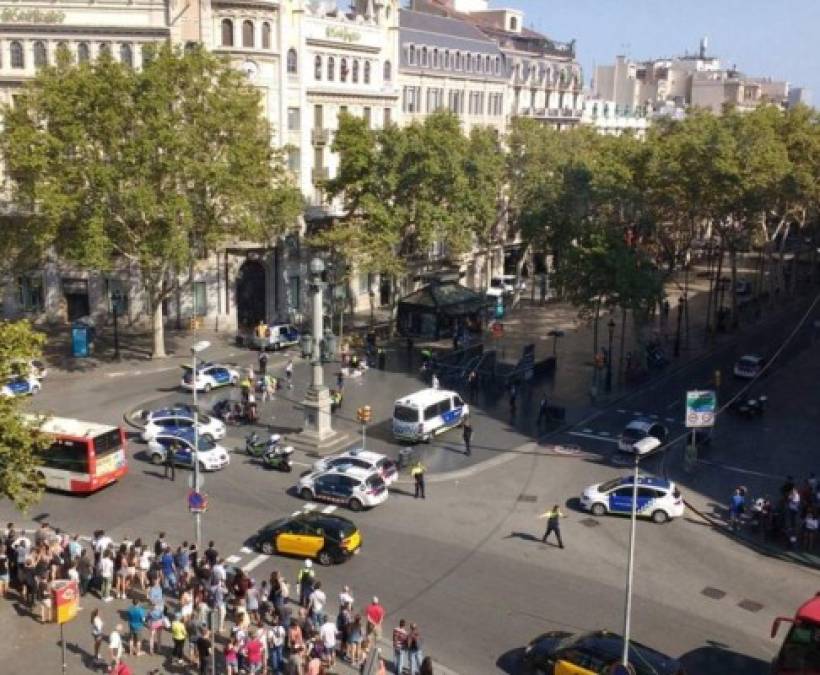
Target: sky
{"points": [[764, 38]]}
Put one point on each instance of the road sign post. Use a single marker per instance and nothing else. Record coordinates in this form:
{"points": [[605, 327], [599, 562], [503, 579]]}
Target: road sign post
{"points": [[701, 406]]}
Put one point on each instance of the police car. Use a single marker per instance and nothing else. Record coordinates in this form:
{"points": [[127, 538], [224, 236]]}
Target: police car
{"points": [[637, 430], [210, 376], [180, 417], [278, 336], [354, 487], [749, 366], [426, 413], [21, 386], [363, 459], [658, 499], [210, 456]]}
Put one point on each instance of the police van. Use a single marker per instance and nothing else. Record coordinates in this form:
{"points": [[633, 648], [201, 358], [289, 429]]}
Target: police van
{"points": [[422, 415]]}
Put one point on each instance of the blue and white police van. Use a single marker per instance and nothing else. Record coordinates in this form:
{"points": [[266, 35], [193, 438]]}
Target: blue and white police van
{"points": [[426, 413]]}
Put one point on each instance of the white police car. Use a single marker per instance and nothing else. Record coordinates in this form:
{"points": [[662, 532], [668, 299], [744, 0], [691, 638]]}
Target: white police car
{"points": [[658, 499], [211, 457], [209, 376], [278, 336], [354, 487], [637, 430], [749, 366], [362, 459], [178, 418], [21, 386]]}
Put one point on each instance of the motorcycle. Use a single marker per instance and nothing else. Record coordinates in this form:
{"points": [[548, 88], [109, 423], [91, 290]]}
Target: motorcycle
{"points": [[255, 445], [278, 457]]}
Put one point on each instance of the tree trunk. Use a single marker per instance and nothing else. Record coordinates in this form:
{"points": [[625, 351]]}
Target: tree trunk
{"points": [[158, 330], [717, 286], [733, 284], [623, 340]]}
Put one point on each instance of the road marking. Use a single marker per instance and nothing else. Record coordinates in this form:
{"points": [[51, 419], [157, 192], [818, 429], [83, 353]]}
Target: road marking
{"points": [[253, 564], [670, 419], [593, 436], [122, 373], [604, 433], [637, 414], [245, 550], [623, 412], [310, 507], [330, 509], [301, 463], [233, 559], [654, 417], [587, 430], [737, 469]]}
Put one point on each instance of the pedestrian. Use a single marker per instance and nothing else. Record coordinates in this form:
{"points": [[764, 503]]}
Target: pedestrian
{"points": [[115, 644], [793, 507], [289, 373], [399, 646], [232, 656], [328, 634], [736, 508], [513, 398], [426, 666], [263, 363], [417, 472], [665, 310], [203, 650], [170, 466], [434, 381], [136, 624], [354, 641], [179, 634], [374, 613], [467, 433], [543, 412], [106, 576], [4, 569], [340, 380], [553, 517], [316, 604], [97, 633], [305, 580]]}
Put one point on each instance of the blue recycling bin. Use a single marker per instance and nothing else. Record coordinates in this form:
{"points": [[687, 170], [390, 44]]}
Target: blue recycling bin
{"points": [[81, 337]]}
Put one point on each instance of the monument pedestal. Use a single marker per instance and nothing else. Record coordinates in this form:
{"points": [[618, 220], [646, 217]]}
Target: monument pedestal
{"points": [[317, 437]]}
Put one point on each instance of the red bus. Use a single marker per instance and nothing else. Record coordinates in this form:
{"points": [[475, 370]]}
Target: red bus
{"points": [[83, 456], [800, 652]]}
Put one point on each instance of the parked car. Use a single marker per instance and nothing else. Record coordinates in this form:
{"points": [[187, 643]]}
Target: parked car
{"points": [[749, 366], [637, 430], [657, 498]]}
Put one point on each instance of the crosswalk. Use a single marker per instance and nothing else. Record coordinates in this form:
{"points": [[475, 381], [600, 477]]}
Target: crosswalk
{"points": [[607, 436], [313, 506]]}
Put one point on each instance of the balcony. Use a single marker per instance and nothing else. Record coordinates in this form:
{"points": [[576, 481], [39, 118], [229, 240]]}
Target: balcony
{"points": [[319, 136], [319, 174]]}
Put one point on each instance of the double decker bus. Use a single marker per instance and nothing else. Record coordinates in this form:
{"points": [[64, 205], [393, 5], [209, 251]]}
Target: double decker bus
{"points": [[82, 456], [800, 652]]}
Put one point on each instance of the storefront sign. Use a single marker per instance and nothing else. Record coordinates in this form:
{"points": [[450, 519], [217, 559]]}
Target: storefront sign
{"points": [[344, 34], [14, 15]]}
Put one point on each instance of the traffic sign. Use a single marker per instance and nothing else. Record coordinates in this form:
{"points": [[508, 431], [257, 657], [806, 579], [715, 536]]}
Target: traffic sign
{"points": [[497, 329], [197, 502], [700, 408]]}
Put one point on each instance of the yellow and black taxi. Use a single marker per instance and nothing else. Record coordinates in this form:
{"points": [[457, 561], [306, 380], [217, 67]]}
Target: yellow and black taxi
{"points": [[322, 536], [561, 653]]}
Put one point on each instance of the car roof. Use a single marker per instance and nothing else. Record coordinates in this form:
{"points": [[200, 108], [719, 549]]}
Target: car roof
{"points": [[424, 397], [184, 434], [751, 357], [649, 481], [360, 453], [350, 470], [175, 410], [322, 519], [641, 423]]}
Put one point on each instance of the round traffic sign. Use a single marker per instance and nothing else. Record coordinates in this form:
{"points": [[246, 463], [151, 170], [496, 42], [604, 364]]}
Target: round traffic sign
{"points": [[497, 329]]}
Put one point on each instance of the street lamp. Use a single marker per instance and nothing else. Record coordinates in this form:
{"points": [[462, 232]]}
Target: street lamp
{"points": [[555, 334], [196, 348], [641, 448], [681, 305], [116, 299], [611, 326]]}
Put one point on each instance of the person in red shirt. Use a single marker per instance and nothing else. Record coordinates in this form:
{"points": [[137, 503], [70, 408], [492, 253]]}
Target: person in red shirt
{"points": [[253, 652], [375, 616]]}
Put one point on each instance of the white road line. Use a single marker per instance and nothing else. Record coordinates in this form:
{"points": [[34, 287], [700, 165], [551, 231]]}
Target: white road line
{"points": [[246, 550], [603, 433], [654, 417], [670, 419], [593, 437], [233, 559], [253, 564], [587, 430], [300, 463], [310, 507], [623, 412], [330, 509], [121, 373], [737, 469]]}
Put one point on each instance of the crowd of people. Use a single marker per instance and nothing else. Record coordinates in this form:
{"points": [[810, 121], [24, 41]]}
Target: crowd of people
{"points": [[218, 618]]}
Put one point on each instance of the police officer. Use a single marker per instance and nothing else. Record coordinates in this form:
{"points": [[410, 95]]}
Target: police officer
{"points": [[170, 466], [468, 435], [418, 476], [305, 579], [553, 517]]}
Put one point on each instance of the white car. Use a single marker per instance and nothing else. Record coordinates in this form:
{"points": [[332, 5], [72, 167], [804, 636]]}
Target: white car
{"points": [[21, 386], [279, 336], [355, 488], [210, 376], [749, 366], [506, 284], [362, 459], [657, 498], [211, 457], [178, 418], [637, 430]]}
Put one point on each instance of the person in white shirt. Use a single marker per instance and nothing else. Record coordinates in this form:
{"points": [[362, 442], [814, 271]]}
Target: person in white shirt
{"points": [[346, 597], [276, 645], [107, 576], [327, 634], [316, 604], [115, 644]]}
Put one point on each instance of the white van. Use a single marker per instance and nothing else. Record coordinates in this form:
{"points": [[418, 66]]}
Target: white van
{"points": [[422, 415]]}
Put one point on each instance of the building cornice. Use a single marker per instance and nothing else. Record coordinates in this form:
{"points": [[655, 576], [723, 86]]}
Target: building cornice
{"points": [[40, 29], [352, 97], [345, 46], [245, 4]]}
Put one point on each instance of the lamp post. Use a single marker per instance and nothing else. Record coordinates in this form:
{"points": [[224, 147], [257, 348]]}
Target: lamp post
{"points": [[555, 334], [611, 326], [681, 304], [116, 299], [196, 348]]}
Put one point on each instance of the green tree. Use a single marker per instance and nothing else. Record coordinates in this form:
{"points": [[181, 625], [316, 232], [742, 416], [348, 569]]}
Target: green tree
{"points": [[153, 167], [20, 445]]}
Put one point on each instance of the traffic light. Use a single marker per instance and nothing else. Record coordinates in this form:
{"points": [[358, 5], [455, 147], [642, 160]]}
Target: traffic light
{"points": [[364, 414]]}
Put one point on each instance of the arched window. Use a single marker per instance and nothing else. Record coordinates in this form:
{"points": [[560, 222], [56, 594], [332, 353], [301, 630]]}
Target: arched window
{"points": [[104, 50], [317, 67], [343, 70], [265, 35], [497, 65], [513, 23], [355, 76], [388, 72], [292, 63], [83, 53], [17, 58], [247, 33], [126, 55], [458, 60], [40, 54], [331, 68], [148, 53], [367, 72], [411, 55], [447, 59], [435, 58], [424, 56], [227, 33], [487, 67]]}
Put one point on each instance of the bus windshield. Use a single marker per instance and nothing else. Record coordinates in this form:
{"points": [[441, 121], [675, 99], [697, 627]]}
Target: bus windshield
{"points": [[67, 455], [404, 413], [107, 442], [800, 654]]}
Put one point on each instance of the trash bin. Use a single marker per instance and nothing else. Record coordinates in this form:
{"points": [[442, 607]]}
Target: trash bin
{"points": [[306, 345], [405, 457], [81, 340], [329, 346]]}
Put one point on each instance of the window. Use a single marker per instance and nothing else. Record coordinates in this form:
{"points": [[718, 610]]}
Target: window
{"points": [[294, 159], [295, 295], [387, 74], [458, 60], [63, 46], [317, 68], [265, 35], [411, 102], [497, 65], [431, 411], [342, 111], [292, 63], [411, 55], [83, 53], [435, 58], [435, 99], [293, 119], [40, 54], [104, 50], [331, 69], [30, 293], [447, 58], [487, 66], [364, 282], [424, 56], [445, 406], [17, 58], [513, 23], [468, 63], [147, 54], [355, 75], [387, 117], [126, 55], [343, 70], [366, 115], [247, 33], [227, 33], [67, 455], [200, 297], [367, 72]]}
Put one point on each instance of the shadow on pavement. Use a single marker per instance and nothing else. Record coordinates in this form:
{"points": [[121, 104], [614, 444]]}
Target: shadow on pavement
{"points": [[512, 662], [718, 659], [525, 536]]}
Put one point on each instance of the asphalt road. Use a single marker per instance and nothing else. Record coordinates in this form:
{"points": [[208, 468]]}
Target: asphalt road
{"points": [[467, 563]]}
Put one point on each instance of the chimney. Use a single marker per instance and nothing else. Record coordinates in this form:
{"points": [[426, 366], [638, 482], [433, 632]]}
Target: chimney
{"points": [[704, 45]]}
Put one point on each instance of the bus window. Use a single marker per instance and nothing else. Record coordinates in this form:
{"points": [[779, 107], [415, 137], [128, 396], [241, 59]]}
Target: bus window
{"points": [[107, 442], [67, 455], [444, 406], [431, 412], [404, 413]]}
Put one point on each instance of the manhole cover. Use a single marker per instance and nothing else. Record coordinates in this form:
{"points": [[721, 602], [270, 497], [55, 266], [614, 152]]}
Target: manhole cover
{"points": [[590, 522], [750, 605], [714, 593], [526, 498]]}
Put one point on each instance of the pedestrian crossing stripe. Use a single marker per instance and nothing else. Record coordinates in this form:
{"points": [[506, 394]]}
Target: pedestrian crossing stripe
{"points": [[310, 507], [233, 559], [329, 509]]}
